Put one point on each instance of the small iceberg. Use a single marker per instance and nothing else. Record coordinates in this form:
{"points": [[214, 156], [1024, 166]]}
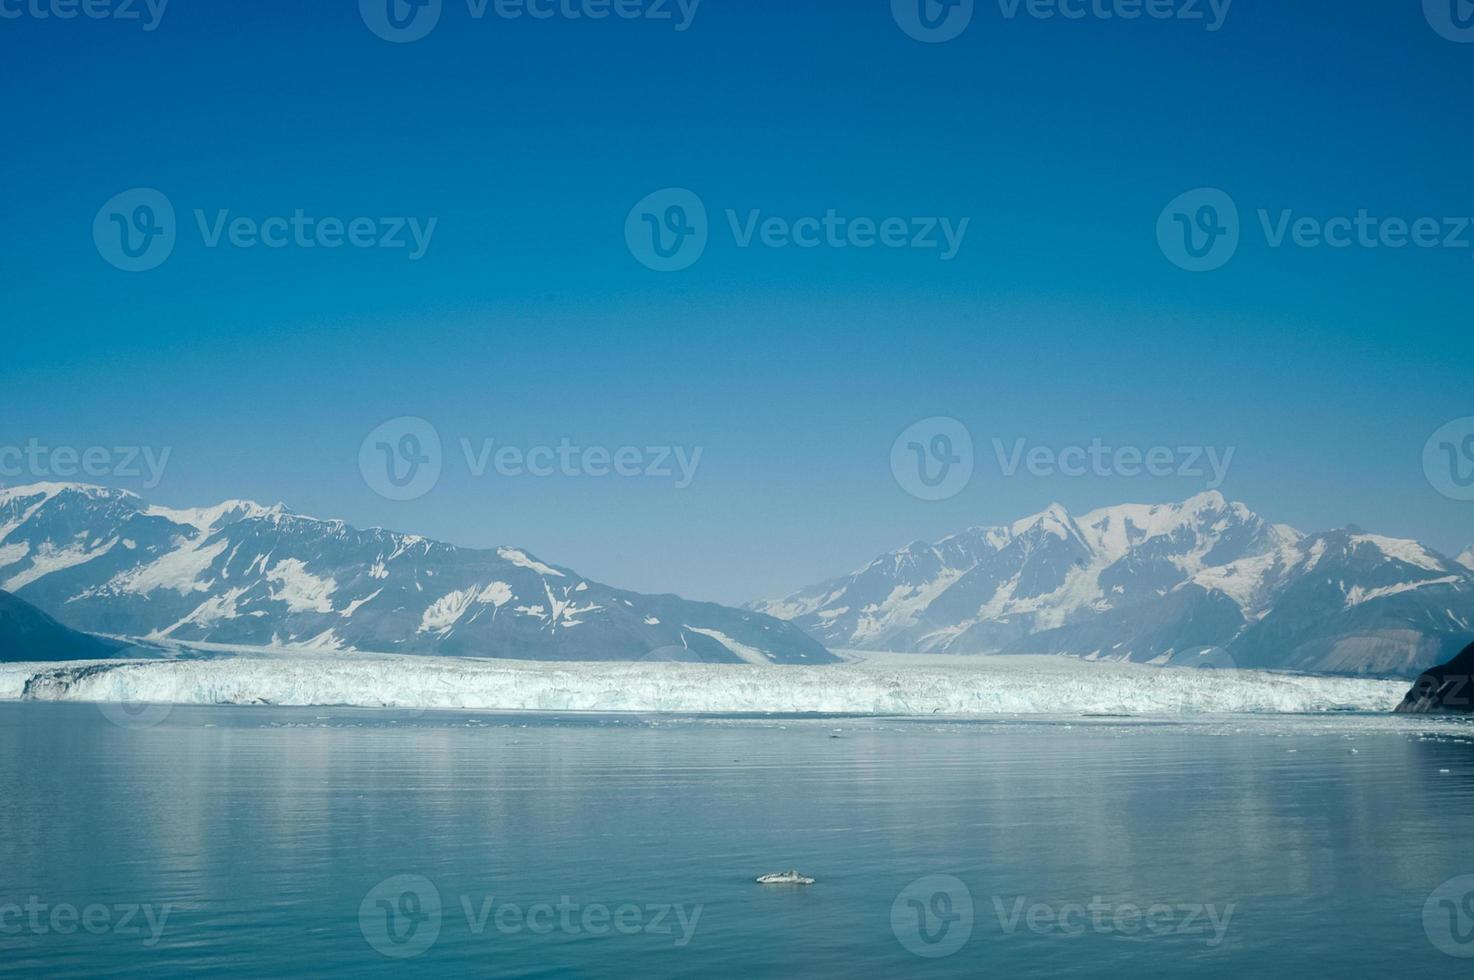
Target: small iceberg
{"points": [[785, 878]]}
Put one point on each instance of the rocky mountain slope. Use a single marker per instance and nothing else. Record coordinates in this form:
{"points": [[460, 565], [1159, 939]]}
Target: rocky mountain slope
{"points": [[1445, 689], [27, 634]]}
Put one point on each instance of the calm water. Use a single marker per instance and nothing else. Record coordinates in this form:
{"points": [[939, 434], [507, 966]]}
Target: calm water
{"points": [[264, 841]]}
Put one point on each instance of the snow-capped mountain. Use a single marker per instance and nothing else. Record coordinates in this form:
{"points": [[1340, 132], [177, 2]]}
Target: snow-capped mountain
{"points": [[1159, 583], [238, 573], [1467, 558]]}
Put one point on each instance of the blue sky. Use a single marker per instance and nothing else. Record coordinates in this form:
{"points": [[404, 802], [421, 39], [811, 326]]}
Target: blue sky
{"points": [[528, 321]]}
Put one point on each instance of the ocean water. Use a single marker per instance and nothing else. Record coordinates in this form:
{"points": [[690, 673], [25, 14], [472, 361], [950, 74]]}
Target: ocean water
{"points": [[258, 841]]}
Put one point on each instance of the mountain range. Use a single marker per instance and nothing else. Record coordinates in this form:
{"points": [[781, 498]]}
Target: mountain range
{"points": [[105, 561], [1201, 582]]}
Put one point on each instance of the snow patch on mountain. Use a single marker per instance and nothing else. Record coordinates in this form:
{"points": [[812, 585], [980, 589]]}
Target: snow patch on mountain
{"points": [[1408, 552], [48, 558], [521, 559], [749, 654], [12, 553], [300, 589], [1356, 595], [183, 570]]}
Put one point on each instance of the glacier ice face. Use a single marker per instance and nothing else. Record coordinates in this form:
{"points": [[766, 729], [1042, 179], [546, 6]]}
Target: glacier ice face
{"points": [[996, 686]]}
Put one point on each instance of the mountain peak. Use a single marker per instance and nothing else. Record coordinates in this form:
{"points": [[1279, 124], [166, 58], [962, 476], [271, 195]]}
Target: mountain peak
{"points": [[1054, 519], [1207, 500], [49, 490]]}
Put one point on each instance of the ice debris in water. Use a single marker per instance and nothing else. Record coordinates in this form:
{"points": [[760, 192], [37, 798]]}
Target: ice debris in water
{"points": [[785, 878]]}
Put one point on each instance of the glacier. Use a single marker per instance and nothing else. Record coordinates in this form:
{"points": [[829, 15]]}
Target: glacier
{"points": [[979, 687]]}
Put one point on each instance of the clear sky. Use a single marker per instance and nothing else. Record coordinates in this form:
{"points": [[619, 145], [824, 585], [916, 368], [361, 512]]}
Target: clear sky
{"points": [[529, 320]]}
